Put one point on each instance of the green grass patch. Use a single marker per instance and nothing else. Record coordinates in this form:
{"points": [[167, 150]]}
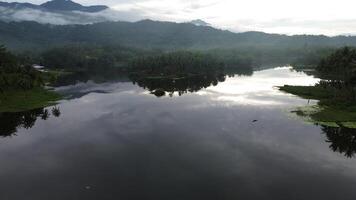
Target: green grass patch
{"points": [[328, 116], [334, 114], [22, 100], [308, 92], [330, 111], [51, 76]]}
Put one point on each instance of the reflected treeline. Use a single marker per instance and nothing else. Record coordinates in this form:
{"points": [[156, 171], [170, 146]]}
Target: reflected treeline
{"points": [[11, 122], [101, 76], [182, 72], [341, 139], [238, 71], [161, 86]]}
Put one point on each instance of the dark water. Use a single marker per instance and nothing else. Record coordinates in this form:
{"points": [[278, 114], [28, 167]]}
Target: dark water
{"points": [[235, 140]]}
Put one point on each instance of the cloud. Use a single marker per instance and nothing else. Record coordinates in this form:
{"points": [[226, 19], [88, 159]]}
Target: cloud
{"points": [[63, 18], [292, 26], [330, 17]]}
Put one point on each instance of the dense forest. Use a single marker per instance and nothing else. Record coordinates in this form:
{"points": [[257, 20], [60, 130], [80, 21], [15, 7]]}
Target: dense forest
{"points": [[149, 34], [335, 91], [338, 74], [116, 43], [340, 66], [21, 85], [176, 64], [98, 57], [85, 57], [180, 72], [13, 75]]}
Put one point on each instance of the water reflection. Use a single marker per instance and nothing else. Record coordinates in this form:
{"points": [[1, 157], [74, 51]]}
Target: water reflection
{"points": [[125, 144], [341, 139], [260, 88], [11, 122], [160, 86], [94, 76]]}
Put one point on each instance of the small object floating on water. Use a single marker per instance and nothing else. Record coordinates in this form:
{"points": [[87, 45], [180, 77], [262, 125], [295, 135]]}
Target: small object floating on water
{"points": [[159, 92], [255, 121], [87, 187]]}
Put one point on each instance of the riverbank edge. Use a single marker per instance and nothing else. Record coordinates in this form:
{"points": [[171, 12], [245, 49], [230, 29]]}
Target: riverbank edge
{"points": [[330, 115], [23, 100]]}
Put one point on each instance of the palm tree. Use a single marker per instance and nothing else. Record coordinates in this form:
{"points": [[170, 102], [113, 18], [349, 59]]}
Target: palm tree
{"points": [[56, 112]]}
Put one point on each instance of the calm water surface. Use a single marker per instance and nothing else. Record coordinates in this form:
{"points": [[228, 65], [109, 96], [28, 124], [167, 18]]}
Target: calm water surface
{"points": [[116, 140]]}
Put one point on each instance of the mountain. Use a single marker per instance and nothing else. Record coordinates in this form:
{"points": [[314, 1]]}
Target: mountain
{"points": [[199, 22], [153, 35], [58, 12], [16, 5], [68, 5], [55, 5]]}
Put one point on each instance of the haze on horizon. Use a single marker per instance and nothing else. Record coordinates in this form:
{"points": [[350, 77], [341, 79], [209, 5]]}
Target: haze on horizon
{"points": [[329, 17]]}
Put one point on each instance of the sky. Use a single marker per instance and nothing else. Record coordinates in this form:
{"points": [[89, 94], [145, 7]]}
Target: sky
{"points": [[329, 17]]}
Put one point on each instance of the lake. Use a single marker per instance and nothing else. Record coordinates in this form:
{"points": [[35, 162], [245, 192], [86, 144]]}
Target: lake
{"points": [[236, 139]]}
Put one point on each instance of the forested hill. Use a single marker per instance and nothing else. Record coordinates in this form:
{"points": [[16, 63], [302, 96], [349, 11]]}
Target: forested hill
{"points": [[152, 34]]}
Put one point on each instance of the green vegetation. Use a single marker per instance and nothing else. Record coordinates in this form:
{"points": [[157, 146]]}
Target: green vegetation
{"points": [[21, 86], [335, 92], [88, 62], [309, 58], [148, 34], [180, 72], [329, 109], [14, 76], [339, 68], [108, 42], [176, 64], [20, 100], [88, 58], [11, 121], [308, 92]]}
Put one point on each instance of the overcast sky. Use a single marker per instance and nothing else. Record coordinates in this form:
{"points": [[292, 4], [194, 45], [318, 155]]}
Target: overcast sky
{"points": [[330, 17]]}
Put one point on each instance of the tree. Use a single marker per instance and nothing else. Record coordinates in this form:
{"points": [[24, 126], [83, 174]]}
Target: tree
{"points": [[338, 71], [340, 66], [16, 76]]}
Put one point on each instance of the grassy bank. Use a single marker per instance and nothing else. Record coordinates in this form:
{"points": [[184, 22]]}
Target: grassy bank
{"points": [[22, 100], [329, 111], [307, 92]]}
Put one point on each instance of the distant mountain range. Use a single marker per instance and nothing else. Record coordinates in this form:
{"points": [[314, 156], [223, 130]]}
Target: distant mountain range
{"points": [[55, 5], [199, 22], [65, 12], [150, 34], [25, 26], [57, 12]]}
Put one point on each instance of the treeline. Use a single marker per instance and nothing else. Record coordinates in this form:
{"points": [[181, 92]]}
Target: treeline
{"points": [[16, 75], [311, 57], [272, 56], [338, 74], [85, 57], [176, 64], [89, 58], [340, 66]]}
